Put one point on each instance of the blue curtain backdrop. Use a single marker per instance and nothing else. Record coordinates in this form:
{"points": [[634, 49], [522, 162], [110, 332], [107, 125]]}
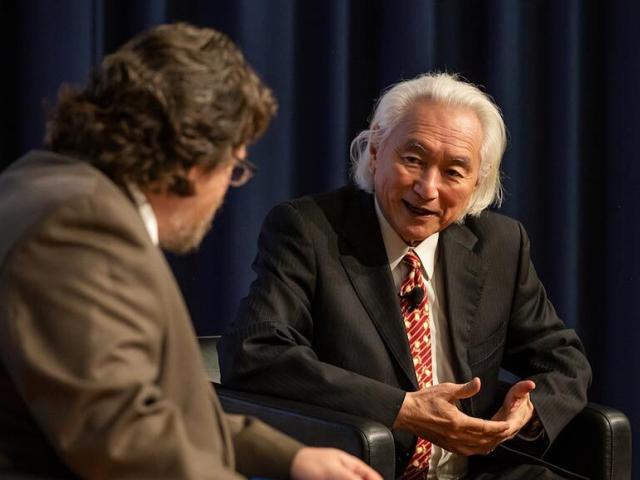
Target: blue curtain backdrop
{"points": [[565, 72]]}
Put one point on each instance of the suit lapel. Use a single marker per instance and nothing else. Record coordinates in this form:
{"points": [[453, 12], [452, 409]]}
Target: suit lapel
{"points": [[366, 264], [464, 275]]}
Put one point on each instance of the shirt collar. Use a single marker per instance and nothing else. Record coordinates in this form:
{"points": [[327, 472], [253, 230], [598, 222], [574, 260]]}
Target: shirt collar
{"points": [[396, 247], [145, 210]]}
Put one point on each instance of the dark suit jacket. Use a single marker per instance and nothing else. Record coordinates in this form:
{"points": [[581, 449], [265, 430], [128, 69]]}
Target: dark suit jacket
{"points": [[322, 321], [100, 371]]}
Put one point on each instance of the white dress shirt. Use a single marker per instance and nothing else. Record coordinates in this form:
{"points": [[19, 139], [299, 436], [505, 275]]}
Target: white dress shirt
{"points": [[443, 464], [145, 210]]}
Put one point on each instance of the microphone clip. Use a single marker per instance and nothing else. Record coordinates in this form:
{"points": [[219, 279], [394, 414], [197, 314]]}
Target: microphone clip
{"points": [[415, 296]]}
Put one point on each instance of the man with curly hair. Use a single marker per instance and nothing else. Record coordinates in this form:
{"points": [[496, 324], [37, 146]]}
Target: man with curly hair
{"points": [[100, 373]]}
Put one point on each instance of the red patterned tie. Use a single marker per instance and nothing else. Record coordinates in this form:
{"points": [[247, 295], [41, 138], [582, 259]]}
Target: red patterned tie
{"points": [[416, 322]]}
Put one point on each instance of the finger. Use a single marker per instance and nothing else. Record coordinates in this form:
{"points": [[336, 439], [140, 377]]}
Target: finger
{"points": [[366, 472], [479, 426], [371, 474], [466, 450], [522, 388], [466, 390], [344, 474], [517, 394], [479, 438], [471, 449], [468, 446], [360, 468]]}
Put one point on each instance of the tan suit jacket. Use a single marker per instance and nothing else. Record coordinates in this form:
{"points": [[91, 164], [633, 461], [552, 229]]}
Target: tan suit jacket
{"points": [[100, 371]]}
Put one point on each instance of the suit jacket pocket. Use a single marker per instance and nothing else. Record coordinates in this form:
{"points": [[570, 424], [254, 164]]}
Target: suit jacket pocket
{"points": [[487, 348]]}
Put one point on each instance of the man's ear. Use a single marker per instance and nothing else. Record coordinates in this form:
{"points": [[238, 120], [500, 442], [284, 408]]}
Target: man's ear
{"points": [[373, 157], [373, 151], [372, 164], [194, 172]]}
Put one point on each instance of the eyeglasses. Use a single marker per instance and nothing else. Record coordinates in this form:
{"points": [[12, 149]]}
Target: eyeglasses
{"points": [[242, 172]]}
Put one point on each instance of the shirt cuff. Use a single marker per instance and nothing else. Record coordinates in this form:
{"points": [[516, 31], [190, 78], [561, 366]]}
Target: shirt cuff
{"points": [[533, 430]]}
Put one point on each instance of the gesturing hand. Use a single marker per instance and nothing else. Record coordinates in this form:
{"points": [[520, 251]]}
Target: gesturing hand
{"points": [[517, 408], [330, 464], [432, 414]]}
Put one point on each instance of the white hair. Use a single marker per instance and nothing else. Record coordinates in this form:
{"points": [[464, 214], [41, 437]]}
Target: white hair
{"points": [[446, 89]]}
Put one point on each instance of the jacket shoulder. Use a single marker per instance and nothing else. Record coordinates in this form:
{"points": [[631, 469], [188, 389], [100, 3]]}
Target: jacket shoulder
{"points": [[338, 199], [495, 232], [44, 190], [335, 207], [492, 224]]}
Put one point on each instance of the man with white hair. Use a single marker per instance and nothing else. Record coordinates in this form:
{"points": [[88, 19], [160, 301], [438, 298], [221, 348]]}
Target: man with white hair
{"points": [[401, 299]]}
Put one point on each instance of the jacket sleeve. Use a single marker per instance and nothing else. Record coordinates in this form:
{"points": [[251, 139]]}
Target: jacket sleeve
{"points": [[540, 347], [261, 451], [270, 346], [82, 342]]}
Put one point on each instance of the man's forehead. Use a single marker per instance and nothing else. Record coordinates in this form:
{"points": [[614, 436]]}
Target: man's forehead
{"points": [[458, 127], [459, 146]]}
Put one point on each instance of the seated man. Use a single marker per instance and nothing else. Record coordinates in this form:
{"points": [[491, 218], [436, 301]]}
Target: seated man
{"points": [[100, 373], [400, 299]]}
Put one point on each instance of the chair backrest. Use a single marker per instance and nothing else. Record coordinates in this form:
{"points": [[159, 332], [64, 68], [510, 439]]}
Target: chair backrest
{"points": [[209, 349]]}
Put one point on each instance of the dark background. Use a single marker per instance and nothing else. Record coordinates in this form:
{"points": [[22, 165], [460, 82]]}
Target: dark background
{"points": [[566, 74]]}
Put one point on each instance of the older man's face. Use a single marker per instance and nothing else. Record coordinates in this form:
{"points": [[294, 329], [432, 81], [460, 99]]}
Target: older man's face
{"points": [[426, 170]]}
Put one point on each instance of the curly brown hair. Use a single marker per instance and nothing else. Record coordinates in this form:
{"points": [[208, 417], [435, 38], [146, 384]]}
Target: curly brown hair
{"points": [[171, 98]]}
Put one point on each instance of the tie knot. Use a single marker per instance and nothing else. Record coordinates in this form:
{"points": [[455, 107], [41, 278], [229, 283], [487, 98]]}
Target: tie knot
{"points": [[412, 260]]}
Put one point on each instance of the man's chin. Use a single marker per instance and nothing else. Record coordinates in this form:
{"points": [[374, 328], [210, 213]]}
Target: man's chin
{"points": [[186, 241], [179, 249], [413, 236]]}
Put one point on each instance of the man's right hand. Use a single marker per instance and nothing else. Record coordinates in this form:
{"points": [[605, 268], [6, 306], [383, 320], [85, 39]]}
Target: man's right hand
{"points": [[432, 414]]}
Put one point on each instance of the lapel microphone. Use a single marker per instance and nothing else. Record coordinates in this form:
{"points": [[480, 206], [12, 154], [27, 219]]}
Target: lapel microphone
{"points": [[414, 297]]}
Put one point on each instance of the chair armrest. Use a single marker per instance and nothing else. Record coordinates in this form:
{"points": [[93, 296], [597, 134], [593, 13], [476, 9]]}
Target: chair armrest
{"points": [[596, 444], [317, 426]]}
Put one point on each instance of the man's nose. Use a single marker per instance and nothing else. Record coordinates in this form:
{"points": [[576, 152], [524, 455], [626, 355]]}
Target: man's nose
{"points": [[427, 184]]}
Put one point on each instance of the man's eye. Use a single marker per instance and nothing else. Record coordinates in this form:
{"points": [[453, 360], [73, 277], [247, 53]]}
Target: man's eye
{"points": [[454, 173], [411, 160]]}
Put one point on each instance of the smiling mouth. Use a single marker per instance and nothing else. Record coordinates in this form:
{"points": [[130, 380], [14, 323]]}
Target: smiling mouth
{"points": [[417, 210]]}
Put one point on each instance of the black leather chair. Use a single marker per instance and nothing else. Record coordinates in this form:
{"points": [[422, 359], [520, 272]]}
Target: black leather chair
{"points": [[595, 445], [318, 427]]}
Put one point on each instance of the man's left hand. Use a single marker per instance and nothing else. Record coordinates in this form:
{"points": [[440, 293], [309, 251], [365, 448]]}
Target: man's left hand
{"points": [[517, 408]]}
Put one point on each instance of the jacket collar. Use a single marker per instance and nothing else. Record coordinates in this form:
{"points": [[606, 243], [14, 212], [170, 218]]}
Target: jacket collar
{"points": [[367, 266]]}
